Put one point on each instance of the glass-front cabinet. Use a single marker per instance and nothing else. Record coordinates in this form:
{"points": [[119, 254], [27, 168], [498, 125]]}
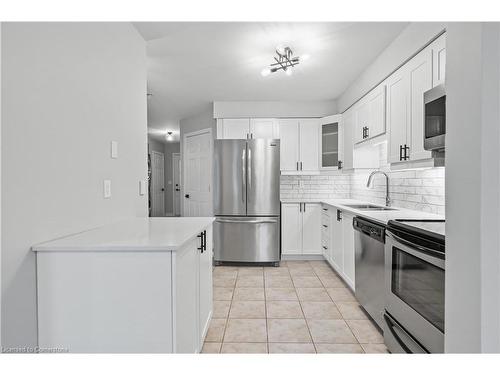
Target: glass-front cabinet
{"points": [[330, 140]]}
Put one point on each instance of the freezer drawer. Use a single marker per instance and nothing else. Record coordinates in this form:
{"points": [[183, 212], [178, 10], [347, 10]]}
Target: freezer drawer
{"points": [[246, 239]]}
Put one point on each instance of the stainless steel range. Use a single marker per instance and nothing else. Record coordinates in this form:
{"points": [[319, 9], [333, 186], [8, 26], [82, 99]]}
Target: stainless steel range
{"points": [[414, 283]]}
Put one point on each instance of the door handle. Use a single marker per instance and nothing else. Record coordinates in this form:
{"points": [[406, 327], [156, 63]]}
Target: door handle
{"points": [[177, 189], [162, 189], [246, 221], [300, 165], [249, 171], [186, 196], [339, 215], [304, 207], [297, 166], [400, 152], [243, 175]]}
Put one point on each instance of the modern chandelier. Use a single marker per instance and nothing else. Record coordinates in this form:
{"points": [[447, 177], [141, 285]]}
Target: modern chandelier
{"points": [[283, 61]]}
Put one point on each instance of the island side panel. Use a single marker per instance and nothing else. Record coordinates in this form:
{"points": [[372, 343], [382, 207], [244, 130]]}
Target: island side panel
{"points": [[105, 302]]}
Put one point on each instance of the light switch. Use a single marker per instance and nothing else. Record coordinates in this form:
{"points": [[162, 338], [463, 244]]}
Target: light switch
{"points": [[114, 150], [142, 187], [107, 188]]}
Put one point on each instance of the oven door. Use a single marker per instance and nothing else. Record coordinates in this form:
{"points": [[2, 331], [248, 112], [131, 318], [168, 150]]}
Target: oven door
{"points": [[414, 285]]}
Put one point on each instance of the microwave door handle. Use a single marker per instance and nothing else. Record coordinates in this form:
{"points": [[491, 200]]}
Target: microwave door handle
{"points": [[391, 324], [415, 246]]}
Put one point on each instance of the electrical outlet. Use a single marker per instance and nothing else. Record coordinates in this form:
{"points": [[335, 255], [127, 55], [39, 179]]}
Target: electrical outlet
{"points": [[107, 189]]}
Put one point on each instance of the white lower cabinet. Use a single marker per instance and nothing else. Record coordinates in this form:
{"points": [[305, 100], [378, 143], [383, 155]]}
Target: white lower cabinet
{"points": [[340, 243], [125, 301], [301, 229], [192, 296]]}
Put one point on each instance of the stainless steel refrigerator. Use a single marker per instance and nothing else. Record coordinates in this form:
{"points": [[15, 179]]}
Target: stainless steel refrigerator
{"points": [[247, 201]]}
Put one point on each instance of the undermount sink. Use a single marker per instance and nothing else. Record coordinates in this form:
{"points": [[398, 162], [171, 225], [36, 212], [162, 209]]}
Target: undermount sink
{"points": [[369, 207]]}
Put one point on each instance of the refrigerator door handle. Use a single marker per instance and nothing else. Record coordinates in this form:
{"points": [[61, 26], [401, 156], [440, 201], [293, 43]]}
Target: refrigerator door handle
{"points": [[249, 169], [243, 176], [246, 221]]}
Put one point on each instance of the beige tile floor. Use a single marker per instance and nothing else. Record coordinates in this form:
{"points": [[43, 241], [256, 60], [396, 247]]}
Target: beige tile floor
{"points": [[299, 307]]}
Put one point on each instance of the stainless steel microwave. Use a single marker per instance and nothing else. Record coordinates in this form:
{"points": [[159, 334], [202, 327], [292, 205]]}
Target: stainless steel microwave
{"points": [[435, 118]]}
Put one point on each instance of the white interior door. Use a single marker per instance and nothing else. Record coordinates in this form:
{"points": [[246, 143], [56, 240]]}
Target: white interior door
{"points": [[158, 183], [176, 178], [197, 150]]}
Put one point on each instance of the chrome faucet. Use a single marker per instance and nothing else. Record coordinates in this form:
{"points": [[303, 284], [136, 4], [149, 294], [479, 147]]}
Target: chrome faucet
{"points": [[369, 184]]}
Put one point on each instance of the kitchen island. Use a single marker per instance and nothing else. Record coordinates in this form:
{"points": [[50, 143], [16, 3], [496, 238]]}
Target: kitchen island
{"points": [[141, 285]]}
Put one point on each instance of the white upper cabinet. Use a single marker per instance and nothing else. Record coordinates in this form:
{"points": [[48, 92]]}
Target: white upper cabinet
{"points": [[309, 145], [438, 60], [420, 76], [299, 145], [348, 123], [405, 103], [266, 128], [370, 115], [397, 113], [289, 145], [245, 128], [233, 128], [376, 103], [331, 142]]}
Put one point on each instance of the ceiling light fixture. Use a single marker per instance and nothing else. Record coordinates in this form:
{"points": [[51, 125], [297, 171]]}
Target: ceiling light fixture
{"points": [[284, 61], [169, 136]]}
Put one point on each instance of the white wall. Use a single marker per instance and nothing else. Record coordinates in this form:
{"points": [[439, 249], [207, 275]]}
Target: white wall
{"points": [[472, 188], [67, 91], [413, 38], [275, 109]]}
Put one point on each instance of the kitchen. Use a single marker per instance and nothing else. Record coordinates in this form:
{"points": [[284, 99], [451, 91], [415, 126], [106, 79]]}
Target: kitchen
{"points": [[309, 226]]}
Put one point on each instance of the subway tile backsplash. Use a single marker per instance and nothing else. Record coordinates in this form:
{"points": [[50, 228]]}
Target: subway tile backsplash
{"points": [[421, 190]]}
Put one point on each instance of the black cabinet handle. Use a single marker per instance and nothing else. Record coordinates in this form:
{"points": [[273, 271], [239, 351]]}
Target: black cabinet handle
{"points": [[325, 209], [204, 241], [186, 196], [400, 152], [339, 164], [406, 157], [339, 215], [326, 226], [324, 247], [200, 236]]}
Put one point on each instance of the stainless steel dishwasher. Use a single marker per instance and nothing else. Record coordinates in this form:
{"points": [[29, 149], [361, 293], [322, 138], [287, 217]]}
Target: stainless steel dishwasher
{"points": [[369, 240]]}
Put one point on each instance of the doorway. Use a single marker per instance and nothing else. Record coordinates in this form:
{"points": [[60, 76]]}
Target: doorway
{"points": [[157, 184], [197, 156], [176, 178]]}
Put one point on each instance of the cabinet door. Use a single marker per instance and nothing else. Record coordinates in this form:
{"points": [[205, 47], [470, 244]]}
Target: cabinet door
{"points": [[330, 140], [438, 60], [397, 112], [311, 228], [337, 254], [205, 287], [309, 144], [266, 128], [348, 247], [347, 141], [289, 144], [186, 298], [376, 102], [362, 118], [420, 79], [291, 228], [235, 128]]}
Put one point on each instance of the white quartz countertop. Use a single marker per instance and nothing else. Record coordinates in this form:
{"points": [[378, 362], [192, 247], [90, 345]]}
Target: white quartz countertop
{"points": [[379, 216], [138, 234]]}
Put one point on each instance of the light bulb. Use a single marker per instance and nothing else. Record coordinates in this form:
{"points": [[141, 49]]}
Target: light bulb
{"points": [[288, 71], [265, 72]]}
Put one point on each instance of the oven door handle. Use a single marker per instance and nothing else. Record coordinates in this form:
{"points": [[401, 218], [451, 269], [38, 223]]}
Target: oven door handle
{"points": [[415, 246], [391, 324]]}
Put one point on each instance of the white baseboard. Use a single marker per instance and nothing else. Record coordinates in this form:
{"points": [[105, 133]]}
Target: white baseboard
{"points": [[302, 257]]}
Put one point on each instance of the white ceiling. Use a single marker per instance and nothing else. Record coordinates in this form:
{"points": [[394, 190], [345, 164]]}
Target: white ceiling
{"points": [[191, 64]]}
